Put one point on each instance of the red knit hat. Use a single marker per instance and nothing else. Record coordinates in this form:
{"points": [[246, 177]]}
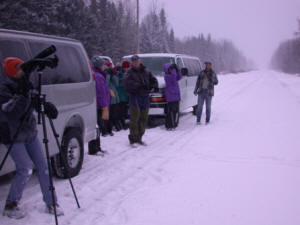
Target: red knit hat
{"points": [[108, 64], [11, 66], [125, 64]]}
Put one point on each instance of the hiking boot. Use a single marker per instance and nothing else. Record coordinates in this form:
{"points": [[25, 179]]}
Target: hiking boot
{"points": [[207, 121], [140, 142], [50, 210], [12, 210]]}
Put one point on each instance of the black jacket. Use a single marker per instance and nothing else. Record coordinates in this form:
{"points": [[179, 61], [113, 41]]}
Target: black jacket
{"points": [[13, 107], [212, 79], [139, 81]]}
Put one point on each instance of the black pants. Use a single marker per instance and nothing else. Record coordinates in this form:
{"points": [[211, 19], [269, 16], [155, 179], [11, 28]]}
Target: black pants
{"points": [[123, 106], [104, 125], [172, 115]]}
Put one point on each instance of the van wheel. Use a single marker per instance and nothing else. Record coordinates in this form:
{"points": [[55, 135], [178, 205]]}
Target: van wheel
{"points": [[72, 151]]}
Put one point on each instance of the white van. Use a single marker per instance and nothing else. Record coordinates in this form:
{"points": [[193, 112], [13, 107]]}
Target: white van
{"points": [[70, 87], [190, 67]]}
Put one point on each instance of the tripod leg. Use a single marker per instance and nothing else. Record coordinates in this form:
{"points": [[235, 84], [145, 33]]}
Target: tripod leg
{"points": [[45, 140], [64, 160]]}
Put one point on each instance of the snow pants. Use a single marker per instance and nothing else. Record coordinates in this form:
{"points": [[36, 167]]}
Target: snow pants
{"points": [[25, 155], [204, 96], [138, 123], [172, 114]]}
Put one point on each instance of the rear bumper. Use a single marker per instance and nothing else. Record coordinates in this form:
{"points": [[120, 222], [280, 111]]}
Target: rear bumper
{"points": [[157, 108]]}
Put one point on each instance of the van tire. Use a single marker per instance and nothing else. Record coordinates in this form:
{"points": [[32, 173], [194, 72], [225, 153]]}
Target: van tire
{"points": [[73, 151]]}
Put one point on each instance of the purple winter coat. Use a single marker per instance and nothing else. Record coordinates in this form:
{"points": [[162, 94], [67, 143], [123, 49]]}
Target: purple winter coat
{"points": [[102, 90], [172, 88]]}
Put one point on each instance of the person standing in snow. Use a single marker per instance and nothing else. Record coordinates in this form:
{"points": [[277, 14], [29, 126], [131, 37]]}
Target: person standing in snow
{"points": [[204, 88], [172, 93], [26, 151], [103, 95], [138, 82], [112, 82], [123, 95]]}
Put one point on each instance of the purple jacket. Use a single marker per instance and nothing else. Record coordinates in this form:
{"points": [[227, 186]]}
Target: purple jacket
{"points": [[172, 88], [102, 90]]}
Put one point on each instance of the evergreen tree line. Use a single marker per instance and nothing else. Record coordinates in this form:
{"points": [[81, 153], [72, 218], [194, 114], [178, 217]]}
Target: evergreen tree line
{"points": [[287, 56], [108, 27]]}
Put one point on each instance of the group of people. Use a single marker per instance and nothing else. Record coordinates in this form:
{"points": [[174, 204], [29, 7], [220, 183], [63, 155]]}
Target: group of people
{"points": [[129, 84], [112, 98]]}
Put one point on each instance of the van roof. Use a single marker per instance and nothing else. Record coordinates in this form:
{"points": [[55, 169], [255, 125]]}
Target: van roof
{"points": [[161, 55], [26, 33]]}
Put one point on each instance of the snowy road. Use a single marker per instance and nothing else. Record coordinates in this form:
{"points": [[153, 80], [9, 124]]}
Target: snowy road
{"points": [[242, 169]]}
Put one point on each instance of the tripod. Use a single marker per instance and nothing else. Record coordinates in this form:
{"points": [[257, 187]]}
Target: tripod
{"points": [[42, 120]]}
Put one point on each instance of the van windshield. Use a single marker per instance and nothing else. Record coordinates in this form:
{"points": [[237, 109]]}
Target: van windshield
{"points": [[156, 64]]}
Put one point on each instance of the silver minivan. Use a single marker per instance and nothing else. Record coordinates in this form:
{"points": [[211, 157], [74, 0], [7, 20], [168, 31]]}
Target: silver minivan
{"points": [[190, 67], [70, 87]]}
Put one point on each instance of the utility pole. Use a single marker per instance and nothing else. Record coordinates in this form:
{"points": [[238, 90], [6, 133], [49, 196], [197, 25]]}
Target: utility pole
{"points": [[137, 26]]}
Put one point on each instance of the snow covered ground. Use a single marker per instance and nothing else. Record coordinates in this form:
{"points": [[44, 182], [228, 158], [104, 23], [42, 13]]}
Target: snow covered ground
{"points": [[242, 169]]}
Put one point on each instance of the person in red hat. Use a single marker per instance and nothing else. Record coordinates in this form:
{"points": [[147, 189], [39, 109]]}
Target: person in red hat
{"points": [[26, 151]]}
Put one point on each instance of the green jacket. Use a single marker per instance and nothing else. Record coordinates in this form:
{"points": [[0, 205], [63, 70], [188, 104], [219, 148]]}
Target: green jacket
{"points": [[123, 94], [113, 82]]}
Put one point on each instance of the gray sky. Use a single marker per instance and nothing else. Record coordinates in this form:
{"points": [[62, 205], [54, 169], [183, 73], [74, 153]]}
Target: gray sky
{"points": [[255, 26]]}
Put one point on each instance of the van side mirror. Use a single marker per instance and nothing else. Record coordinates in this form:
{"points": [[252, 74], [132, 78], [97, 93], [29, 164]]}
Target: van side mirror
{"points": [[184, 71]]}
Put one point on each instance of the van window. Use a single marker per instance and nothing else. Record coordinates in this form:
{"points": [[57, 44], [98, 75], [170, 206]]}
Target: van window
{"points": [[156, 64], [72, 66], [12, 48], [179, 63]]}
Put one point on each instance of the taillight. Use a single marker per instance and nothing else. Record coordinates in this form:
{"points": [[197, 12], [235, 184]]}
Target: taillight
{"points": [[158, 99]]}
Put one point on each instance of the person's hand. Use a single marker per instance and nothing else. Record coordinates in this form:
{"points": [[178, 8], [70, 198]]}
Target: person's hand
{"points": [[195, 93], [50, 110], [112, 93], [105, 113]]}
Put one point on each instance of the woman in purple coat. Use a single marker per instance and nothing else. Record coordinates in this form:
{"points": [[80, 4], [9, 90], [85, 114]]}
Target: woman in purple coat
{"points": [[103, 96], [172, 93]]}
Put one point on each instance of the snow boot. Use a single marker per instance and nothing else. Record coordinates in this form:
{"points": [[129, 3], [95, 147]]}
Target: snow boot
{"points": [[12, 210], [50, 210]]}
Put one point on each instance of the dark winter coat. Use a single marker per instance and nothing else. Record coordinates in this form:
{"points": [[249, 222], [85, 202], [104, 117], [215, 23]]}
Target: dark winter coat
{"points": [[212, 79], [172, 91], [138, 83], [123, 95], [13, 107], [102, 90]]}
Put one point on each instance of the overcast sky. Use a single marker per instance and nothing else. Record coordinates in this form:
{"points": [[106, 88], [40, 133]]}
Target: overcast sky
{"points": [[255, 26]]}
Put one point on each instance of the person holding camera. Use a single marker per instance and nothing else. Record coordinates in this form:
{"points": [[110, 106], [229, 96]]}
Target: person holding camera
{"points": [[205, 90], [16, 108], [138, 82], [172, 94]]}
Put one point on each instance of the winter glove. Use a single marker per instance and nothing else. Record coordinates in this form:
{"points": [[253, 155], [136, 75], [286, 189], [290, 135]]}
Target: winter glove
{"points": [[24, 87], [174, 66], [195, 93], [50, 110]]}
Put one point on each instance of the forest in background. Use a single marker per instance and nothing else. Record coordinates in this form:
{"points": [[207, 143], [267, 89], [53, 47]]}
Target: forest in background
{"points": [[287, 56], [109, 28]]}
